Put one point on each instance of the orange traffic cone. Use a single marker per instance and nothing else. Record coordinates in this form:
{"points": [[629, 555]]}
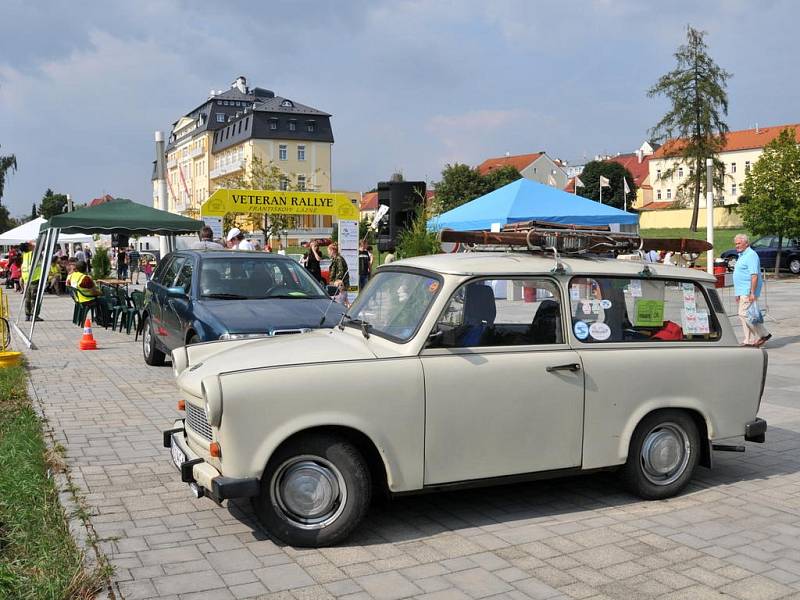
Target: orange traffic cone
{"points": [[87, 341]]}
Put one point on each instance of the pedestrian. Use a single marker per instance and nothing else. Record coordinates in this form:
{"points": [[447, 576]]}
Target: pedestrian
{"points": [[747, 283], [134, 258], [390, 257], [148, 269], [341, 293], [364, 264], [338, 269], [86, 290], [122, 264], [16, 272], [30, 280], [206, 241], [79, 253], [651, 256], [236, 240], [312, 261], [54, 278]]}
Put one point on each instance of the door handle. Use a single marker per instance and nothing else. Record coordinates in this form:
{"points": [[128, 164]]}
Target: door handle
{"points": [[568, 367]]}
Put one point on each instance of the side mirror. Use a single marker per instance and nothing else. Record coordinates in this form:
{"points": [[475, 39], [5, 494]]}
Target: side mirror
{"points": [[332, 290], [176, 292]]}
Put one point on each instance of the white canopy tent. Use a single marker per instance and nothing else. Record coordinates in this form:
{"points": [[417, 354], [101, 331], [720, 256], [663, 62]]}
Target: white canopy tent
{"points": [[30, 231]]}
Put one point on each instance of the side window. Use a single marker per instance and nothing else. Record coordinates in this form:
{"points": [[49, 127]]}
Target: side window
{"points": [[184, 279], [502, 312], [765, 242], [611, 309], [171, 271], [160, 268]]}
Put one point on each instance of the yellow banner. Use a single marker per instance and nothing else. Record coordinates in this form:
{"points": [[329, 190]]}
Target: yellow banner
{"points": [[277, 202]]}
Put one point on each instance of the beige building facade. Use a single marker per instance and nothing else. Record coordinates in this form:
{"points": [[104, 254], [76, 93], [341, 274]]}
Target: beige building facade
{"points": [[221, 139]]}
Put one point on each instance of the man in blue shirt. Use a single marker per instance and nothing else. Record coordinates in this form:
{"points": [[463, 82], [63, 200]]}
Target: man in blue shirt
{"points": [[747, 284]]}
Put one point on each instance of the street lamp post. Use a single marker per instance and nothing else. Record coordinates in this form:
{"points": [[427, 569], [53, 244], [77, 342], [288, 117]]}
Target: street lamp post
{"points": [[286, 242]]}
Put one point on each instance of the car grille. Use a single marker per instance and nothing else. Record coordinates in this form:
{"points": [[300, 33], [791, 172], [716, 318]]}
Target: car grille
{"points": [[196, 420]]}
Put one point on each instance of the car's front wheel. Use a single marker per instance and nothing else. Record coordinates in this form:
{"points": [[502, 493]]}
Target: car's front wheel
{"points": [[314, 492], [152, 355], [663, 454], [794, 265]]}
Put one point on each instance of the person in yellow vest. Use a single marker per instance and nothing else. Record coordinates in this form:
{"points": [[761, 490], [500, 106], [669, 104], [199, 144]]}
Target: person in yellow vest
{"points": [[85, 288], [32, 286]]}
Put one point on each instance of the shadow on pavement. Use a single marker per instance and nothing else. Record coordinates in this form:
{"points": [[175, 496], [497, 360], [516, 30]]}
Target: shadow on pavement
{"points": [[416, 517]]}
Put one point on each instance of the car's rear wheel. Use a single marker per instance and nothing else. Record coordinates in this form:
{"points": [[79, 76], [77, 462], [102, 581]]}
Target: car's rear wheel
{"points": [[794, 265], [731, 262], [314, 492], [663, 454], [152, 355]]}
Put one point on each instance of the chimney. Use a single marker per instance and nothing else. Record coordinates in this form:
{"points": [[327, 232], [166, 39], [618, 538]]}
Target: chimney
{"points": [[211, 93], [240, 84], [757, 131], [639, 155]]}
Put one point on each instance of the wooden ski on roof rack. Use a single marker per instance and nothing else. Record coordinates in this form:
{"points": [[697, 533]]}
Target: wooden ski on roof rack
{"points": [[572, 239]]}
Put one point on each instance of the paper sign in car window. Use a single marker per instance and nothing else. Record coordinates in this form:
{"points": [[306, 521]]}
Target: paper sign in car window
{"points": [[649, 313]]}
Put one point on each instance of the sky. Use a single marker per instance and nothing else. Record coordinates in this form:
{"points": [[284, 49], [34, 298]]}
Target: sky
{"points": [[412, 85]]}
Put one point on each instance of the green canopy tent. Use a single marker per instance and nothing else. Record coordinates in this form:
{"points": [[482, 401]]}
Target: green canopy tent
{"points": [[118, 216]]}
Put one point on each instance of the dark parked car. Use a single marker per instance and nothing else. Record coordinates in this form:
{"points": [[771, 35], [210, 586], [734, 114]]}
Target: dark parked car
{"points": [[767, 249], [202, 296]]}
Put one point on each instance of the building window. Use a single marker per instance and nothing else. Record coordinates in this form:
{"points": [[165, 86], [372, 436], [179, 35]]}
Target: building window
{"points": [[746, 167], [658, 194], [301, 152], [733, 189], [282, 153], [680, 171], [240, 128], [273, 124], [292, 125], [658, 174], [301, 182], [311, 126], [247, 122], [287, 103], [733, 167], [669, 193], [220, 117], [284, 183]]}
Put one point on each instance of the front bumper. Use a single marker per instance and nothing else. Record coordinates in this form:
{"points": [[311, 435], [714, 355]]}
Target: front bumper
{"points": [[756, 431], [203, 478]]}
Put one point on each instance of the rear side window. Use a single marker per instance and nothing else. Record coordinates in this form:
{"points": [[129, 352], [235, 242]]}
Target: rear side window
{"points": [[609, 309], [184, 279]]}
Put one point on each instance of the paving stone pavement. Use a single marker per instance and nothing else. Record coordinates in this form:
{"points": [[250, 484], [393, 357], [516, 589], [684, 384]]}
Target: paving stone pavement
{"points": [[734, 534]]}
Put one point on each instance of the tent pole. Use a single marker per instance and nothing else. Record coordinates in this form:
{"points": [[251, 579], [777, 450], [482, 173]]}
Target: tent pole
{"points": [[40, 249], [49, 247]]}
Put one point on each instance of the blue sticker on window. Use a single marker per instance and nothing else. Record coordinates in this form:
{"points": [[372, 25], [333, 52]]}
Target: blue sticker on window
{"points": [[581, 330]]}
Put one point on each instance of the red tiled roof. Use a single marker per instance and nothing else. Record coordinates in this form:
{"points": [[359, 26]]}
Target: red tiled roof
{"points": [[519, 162], [658, 205], [369, 201], [101, 200], [745, 139], [639, 170], [570, 187]]}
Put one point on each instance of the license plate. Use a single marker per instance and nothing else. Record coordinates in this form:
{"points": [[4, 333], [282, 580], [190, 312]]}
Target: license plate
{"points": [[178, 457]]}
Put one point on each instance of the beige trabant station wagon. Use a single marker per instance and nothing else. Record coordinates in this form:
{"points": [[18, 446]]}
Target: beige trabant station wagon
{"points": [[478, 367]]}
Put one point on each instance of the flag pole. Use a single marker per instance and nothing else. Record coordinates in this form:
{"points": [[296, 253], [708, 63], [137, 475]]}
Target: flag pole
{"points": [[601, 192]]}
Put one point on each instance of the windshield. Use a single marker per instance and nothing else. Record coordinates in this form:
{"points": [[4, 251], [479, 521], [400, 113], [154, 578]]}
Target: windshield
{"points": [[245, 277], [394, 304]]}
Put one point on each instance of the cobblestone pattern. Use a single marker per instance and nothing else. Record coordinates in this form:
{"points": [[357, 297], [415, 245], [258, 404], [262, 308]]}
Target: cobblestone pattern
{"points": [[734, 534]]}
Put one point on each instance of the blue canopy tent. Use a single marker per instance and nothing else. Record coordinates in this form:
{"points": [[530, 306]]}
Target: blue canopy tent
{"points": [[525, 200]]}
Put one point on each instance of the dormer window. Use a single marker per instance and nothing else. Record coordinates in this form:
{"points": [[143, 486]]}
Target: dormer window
{"points": [[273, 124], [311, 126], [292, 125], [287, 104]]}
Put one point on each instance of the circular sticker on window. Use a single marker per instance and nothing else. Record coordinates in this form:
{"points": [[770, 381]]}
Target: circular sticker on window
{"points": [[600, 331], [606, 304], [581, 330]]}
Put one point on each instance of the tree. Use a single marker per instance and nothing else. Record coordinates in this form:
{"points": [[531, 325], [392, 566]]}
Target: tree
{"points": [[6, 222], [772, 192], [614, 172], [7, 163], [417, 240], [266, 176], [694, 124], [101, 264], [461, 184], [34, 211], [52, 204]]}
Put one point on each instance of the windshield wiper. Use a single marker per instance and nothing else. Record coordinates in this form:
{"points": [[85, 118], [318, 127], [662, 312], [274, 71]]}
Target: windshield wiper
{"points": [[226, 296]]}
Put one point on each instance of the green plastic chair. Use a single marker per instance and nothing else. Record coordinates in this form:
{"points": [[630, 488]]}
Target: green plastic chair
{"points": [[127, 310], [137, 297]]}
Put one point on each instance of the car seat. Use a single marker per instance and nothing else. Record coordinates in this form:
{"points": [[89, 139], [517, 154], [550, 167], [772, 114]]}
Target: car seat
{"points": [[546, 325], [479, 314]]}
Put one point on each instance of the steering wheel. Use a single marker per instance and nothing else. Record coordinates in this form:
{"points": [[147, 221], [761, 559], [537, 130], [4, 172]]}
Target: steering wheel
{"points": [[270, 289]]}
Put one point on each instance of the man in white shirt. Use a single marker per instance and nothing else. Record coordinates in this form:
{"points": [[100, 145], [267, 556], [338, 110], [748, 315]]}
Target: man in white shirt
{"points": [[236, 240], [206, 241]]}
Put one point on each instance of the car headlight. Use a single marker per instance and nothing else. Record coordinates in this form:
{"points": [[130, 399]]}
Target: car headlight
{"points": [[243, 336], [212, 397], [180, 360]]}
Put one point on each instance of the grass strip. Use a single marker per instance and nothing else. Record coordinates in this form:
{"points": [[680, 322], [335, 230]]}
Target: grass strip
{"points": [[38, 557]]}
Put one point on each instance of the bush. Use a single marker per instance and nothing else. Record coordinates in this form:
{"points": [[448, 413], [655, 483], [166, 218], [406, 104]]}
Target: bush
{"points": [[101, 264], [417, 240]]}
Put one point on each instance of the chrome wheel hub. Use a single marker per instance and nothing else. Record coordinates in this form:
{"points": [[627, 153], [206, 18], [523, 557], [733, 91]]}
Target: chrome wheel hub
{"points": [[148, 336], [665, 454], [308, 491]]}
